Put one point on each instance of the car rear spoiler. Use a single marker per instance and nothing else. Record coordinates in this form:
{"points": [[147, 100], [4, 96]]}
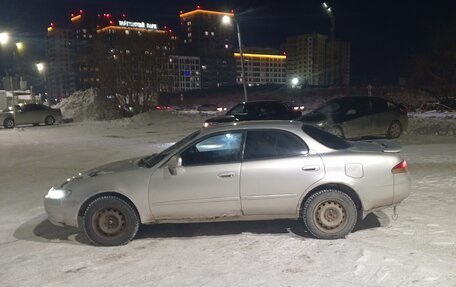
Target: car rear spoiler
{"points": [[387, 145]]}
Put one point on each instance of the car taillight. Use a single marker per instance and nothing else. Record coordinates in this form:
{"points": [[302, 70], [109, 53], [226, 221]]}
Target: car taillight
{"points": [[403, 110], [400, 167]]}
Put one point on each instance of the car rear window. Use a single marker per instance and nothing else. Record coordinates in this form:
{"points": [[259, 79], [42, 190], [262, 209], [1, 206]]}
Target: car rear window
{"points": [[325, 138]]}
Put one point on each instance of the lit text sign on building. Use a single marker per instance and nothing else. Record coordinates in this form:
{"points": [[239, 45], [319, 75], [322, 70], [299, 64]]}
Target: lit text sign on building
{"points": [[141, 25]]}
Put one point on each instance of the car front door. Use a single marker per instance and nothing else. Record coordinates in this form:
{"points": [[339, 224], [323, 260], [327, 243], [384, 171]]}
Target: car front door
{"points": [[276, 170], [205, 186]]}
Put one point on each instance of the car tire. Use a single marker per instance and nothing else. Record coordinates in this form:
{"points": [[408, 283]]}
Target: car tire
{"points": [[337, 131], [394, 130], [110, 221], [329, 214], [8, 123], [49, 120]]}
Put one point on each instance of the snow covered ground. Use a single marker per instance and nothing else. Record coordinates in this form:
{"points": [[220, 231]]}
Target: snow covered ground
{"points": [[418, 249]]}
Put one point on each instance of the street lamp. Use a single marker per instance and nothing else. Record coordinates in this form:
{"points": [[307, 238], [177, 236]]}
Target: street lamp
{"points": [[294, 82], [226, 20], [4, 38], [40, 67]]}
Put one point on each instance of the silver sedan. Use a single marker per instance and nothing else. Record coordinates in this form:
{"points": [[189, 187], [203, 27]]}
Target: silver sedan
{"points": [[30, 114], [239, 171]]}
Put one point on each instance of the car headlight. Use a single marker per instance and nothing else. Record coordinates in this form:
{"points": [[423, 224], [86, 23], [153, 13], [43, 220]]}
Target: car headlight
{"points": [[57, 193]]}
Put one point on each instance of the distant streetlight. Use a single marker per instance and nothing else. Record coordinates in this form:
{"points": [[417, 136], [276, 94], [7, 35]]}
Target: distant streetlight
{"points": [[40, 67], [294, 82], [20, 46], [226, 20], [4, 38]]}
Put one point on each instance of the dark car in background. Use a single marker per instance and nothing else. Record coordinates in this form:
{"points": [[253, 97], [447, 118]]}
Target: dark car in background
{"points": [[30, 114], [356, 117], [256, 110]]}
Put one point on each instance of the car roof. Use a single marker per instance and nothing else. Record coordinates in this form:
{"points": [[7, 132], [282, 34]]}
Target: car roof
{"points": [[275, 124]]}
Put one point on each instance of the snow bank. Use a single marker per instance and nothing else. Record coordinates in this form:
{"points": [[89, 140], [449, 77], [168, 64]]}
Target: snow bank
{"points": [[87, 105]]}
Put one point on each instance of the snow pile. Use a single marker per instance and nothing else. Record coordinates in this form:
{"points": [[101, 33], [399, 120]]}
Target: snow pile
{"points": [[87, 105], [432, 123]]}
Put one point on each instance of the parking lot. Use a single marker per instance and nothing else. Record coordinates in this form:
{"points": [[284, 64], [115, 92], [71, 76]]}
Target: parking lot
{"points": [[417, 249]]}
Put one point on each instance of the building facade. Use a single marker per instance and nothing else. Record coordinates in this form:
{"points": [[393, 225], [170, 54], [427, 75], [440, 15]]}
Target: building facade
{"points": [[60, 72], [204, 35], [306, 59], [338, 63], [84, 26], [131, 56], [183, 73], [261, 68]]}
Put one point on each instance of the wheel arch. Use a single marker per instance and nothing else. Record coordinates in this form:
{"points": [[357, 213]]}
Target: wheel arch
{"points": [[89, 200], [343, 188]]}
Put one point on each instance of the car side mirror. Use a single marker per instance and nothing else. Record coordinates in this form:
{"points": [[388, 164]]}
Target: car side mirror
{"points": [[174, 164]]}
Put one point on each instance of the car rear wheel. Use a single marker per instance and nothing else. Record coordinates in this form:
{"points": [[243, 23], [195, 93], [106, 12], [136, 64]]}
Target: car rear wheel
{"points": [[329, 214], [8, 123], [337, 131], [110, 221], [394, 130], [49, 120]]}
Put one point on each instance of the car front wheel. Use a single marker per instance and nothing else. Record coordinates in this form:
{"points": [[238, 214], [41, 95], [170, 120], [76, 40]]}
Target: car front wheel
{"points": [[49, 120], [8, 123], [329, 214], [110, 221]]}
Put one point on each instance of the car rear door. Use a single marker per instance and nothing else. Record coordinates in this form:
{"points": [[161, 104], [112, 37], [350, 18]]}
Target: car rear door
{"points": [[207, 184], [276, 170]]}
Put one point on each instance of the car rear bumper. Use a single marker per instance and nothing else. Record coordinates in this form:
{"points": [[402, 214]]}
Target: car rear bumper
{"points": [[402, 187]]}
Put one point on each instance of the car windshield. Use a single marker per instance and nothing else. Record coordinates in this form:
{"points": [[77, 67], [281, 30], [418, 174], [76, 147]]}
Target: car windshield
{"points": [[151, 160], [325, 138]]}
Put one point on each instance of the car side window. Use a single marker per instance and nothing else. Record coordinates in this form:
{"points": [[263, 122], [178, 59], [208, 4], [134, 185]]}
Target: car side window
{"points": [[220, 148], [270, 144], [379, 105], [29, 108]]}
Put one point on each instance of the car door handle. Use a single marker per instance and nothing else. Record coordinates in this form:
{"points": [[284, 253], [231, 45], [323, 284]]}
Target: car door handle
{"points": [[226, 174], [311, 168]]}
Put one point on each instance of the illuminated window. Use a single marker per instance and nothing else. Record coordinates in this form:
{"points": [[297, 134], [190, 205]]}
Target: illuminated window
{"points": [[127, 32], [189, 23], [212, 33], [189, 35], [227, 46], [206, 33]]}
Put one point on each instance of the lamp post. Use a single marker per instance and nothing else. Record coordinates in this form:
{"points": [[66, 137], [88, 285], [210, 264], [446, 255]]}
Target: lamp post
{"points": [[332, 41], [41, 68], [226, 20]]}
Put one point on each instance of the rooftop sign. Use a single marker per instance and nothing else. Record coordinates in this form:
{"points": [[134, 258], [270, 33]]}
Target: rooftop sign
{"points": [[140, 25]]}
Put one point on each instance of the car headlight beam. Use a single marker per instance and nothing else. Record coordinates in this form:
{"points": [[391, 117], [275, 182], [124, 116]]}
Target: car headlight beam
{"points": [[57, 193]]}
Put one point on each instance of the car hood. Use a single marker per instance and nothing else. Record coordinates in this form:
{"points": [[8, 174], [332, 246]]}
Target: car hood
{"points": [[222, 119], [118, 166]]}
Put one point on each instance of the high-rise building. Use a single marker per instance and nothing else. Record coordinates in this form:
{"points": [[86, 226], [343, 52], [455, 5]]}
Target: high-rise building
{"points": [[84, 26], [131, 55], [306, 59], [338, 63], [203, 34], [262, 68], [60, 73]]}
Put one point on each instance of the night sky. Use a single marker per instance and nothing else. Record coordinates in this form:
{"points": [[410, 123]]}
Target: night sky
{"points": [[383, 33]]}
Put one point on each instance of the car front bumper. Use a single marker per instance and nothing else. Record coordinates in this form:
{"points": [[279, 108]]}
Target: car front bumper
{"points": [[61, 211]]}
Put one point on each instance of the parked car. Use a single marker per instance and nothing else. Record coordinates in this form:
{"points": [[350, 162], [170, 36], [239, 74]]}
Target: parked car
{"points": [[256, 110], [356, 117], [30, 114], [238, 171]]}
